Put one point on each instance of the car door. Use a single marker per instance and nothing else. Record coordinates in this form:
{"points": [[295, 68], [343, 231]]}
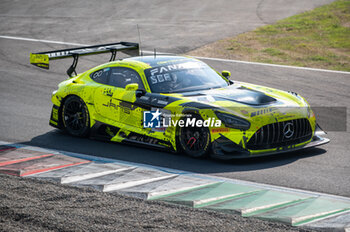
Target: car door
{"points": [[103, 94], [115, 102]]}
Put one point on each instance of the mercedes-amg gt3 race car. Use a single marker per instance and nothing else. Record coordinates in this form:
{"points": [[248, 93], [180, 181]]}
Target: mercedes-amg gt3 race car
{"points": [[179, 104]]}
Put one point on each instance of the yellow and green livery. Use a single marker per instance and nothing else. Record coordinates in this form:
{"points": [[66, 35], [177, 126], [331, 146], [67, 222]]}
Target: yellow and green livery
{"points": [[196, 110]]}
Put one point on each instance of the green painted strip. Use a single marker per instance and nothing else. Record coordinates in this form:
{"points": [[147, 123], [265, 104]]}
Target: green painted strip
{"points": [[205, 196], [268, 209], [264, 200], [227, 198], [307, 211], [160, 197], [321, 216], [291, 208]]}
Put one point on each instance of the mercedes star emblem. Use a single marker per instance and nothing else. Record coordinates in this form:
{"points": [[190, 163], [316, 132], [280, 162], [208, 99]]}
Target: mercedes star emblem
{"points": [[288, 130]]}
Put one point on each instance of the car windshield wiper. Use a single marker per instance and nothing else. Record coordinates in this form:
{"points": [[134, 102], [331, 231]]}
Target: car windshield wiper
{"points": [[188, 89]]}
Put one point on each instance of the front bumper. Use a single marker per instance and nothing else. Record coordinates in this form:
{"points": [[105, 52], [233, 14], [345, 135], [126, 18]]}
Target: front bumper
{"points": [[225, 149]]}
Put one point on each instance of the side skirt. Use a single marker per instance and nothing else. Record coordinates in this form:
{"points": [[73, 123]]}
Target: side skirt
{"points": [[105, 132]]}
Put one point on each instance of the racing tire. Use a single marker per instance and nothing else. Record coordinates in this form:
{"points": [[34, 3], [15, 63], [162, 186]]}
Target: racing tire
{"points": [[194, 141], [75, 117]]}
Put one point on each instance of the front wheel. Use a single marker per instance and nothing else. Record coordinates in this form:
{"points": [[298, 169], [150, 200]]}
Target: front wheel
{"points": [[75, 116], [194, 141]]}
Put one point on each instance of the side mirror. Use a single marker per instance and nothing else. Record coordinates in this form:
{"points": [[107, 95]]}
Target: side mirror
{"points": [[132, 87], [226, 74], [140, 92]]}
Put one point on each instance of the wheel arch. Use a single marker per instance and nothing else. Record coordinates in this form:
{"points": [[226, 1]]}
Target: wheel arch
{"points": [[60, 121]]}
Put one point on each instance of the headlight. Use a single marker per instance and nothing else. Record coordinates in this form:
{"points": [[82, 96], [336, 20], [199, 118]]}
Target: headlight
{"points": [[232, 121], [310, 113], [53, 93]]}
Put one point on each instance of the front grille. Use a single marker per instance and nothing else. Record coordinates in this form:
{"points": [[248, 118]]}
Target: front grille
{"points": [[281, 134]]}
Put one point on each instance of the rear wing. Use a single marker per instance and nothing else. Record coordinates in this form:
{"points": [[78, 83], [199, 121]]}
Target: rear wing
{"points": [[42, 59]]}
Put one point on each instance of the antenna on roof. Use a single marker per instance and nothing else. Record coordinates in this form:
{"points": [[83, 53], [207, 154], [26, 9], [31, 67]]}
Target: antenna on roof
{"points": [[138, 30]]}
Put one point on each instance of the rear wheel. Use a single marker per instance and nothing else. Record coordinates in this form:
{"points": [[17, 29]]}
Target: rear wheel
{"points": [[194, 141], [75, 116]]}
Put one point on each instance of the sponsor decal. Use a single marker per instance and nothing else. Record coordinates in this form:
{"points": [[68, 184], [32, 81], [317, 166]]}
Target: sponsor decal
{"points": [[58, 54], [220, 130], [146, 98], [162, 102], [55, 114], [39, 60], [244, 112], [81, 51], [108, 92], [261, 112], [163, 73]]}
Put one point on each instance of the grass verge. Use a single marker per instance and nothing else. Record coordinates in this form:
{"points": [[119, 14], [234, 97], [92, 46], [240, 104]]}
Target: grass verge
{"points": [[319, 38]]}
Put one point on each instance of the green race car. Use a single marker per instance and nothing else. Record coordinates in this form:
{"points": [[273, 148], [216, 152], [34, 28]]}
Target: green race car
{"points": [[179, 104]]}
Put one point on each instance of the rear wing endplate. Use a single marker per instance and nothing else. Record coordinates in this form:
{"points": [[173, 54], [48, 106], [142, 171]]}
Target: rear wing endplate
{"points": [[42, 59]]}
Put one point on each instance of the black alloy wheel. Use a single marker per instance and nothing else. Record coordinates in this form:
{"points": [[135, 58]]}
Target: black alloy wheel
{"points": [[194, 141], [75, 116]]}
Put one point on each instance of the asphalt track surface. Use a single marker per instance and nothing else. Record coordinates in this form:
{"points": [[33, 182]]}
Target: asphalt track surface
{"points": [[170, 27]]}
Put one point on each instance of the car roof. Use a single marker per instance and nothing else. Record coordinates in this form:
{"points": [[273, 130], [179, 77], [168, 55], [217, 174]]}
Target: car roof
{"points": [[159, 60]]}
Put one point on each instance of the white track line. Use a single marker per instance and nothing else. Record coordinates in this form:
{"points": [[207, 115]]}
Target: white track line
{"points": [[40, 40], [198, 57], [254, 63], [273, 65]]}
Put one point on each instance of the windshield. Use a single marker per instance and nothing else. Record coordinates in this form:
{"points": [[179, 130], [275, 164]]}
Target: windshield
{"points": [[183, 77]]}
